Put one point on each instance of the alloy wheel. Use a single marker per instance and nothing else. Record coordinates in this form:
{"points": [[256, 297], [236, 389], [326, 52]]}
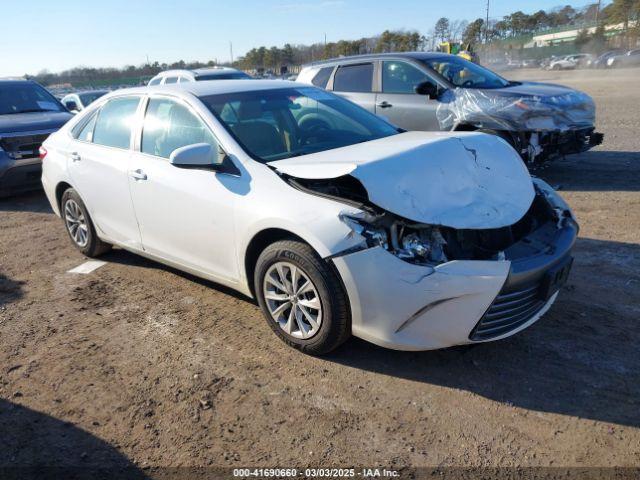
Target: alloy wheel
{"points": [[292, 300], [76, 223]]}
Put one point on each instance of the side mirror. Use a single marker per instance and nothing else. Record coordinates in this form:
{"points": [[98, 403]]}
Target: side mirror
{"points": [[427, 88], [202, 156], [72, 106]]}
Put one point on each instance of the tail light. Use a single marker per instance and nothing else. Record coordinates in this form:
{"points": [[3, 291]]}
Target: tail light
{"points": [[42, 152]]}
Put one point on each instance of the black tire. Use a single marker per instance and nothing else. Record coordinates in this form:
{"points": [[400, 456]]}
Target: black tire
{"points": [[94, 247], [335, 327]]}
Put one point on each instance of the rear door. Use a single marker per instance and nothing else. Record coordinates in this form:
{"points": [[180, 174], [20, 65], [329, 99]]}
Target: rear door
{"points": [[398, 101], [98, 162], [355, 82]]}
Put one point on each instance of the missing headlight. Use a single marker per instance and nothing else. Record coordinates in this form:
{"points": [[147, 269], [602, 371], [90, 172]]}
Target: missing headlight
{"points": [[415, 243]]}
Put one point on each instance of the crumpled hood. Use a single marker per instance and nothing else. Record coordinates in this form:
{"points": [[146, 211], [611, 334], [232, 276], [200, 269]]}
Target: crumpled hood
{"points": [[33, 121], [462, 180], [529, 106]]}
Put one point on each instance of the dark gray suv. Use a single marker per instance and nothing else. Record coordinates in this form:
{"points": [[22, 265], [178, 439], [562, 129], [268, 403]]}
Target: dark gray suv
{"points": [[437, 91], [28, 115]]}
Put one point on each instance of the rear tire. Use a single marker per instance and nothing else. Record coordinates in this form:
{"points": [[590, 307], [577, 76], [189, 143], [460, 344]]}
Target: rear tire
{"points": [[79, 225], [315, 319]]}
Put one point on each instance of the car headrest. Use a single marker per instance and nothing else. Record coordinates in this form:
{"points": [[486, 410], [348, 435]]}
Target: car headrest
{"points": [[249, 110]]}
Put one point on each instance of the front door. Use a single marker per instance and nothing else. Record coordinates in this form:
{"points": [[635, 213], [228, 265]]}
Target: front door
{"points": [[185, 215], [398, 101]]}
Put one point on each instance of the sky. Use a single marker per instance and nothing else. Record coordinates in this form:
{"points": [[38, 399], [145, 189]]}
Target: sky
{"points": [[43, 34]]}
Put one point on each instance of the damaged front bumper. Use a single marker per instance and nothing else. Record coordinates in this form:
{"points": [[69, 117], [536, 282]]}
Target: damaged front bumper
{"points": [[406, 306], [540, 147]]}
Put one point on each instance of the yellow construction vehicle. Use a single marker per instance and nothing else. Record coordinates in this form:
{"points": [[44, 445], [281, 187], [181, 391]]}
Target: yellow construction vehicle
{"points": [[457, 48]]}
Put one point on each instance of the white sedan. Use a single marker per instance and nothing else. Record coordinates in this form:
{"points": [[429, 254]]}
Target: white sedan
{"points": [[337, 222]]}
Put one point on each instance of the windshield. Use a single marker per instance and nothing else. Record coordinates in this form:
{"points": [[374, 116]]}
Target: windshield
{"points": [[24, 97], [465, 74], [87, 98], [223, 76], [289, 122]]}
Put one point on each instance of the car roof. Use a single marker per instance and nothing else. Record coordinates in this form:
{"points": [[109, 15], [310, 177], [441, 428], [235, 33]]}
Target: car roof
{"points": [[210, 70], [211, 87], [196, 71], [373, 56]]}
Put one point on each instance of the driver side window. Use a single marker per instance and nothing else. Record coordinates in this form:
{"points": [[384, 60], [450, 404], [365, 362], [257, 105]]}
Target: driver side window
{"points": [[169, 125], [401, 77]]}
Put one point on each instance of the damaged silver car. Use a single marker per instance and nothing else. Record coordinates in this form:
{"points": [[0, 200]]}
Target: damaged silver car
{"points": [[436, 91], [411, 240]]}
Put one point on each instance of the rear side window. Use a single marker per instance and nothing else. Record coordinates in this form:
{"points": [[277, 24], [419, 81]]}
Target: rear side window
{"points": [[169, 125], [115, 120], [170, 80], [354, 78], [84, 130], [155, 81], [322, 77]]}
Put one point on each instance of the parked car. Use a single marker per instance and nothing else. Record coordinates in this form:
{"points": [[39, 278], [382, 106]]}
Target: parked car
{"points": [[199, 74], [76, 102], [570, 62], [514, 64], [629, 59], [436, 91], [411, 240], [545, 62], [28, 114], [601, 61], [530, 63]]}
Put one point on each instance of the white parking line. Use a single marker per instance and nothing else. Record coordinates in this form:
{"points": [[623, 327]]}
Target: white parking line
{"points": [[88, 266]]}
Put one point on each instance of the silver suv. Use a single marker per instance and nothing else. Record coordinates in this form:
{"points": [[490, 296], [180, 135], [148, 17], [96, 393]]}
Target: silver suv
{"points": [[436, 91]]}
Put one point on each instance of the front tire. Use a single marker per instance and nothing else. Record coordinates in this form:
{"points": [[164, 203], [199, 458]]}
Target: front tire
{"points": [[301, 297], [79, 225]]}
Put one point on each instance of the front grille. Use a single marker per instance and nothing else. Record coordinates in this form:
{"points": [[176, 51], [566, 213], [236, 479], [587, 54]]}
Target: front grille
{"points": [[23, 146], [507, 312]]}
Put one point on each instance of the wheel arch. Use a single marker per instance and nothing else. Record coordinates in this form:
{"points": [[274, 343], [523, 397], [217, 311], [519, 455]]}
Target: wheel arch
{"points": [[60, 189], [258, 243]]}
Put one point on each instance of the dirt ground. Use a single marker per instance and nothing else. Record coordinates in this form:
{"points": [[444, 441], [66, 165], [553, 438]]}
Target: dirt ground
{"points": [[139, 365]]}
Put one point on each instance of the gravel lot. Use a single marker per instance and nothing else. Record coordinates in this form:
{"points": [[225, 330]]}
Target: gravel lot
{"points": [[139, 365]]}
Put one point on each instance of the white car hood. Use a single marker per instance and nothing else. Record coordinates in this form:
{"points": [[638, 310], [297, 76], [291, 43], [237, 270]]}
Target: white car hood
{"points": [[462, 180]]}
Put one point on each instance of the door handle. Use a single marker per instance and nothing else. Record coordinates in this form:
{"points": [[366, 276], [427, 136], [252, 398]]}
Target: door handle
{"points": [[75, 157], [138, 174], [384, 105]]}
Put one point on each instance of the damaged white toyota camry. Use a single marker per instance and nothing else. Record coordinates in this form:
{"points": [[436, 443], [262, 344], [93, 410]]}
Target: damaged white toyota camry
{"points": [[336, 221]]}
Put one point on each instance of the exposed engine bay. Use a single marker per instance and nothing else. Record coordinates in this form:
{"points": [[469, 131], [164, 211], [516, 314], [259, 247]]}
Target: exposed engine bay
{"points": [[425, 244]]}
